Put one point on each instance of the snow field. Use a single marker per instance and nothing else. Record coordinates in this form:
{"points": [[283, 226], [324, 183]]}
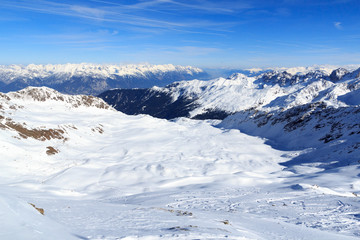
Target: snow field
{"points": [[137, 177]]}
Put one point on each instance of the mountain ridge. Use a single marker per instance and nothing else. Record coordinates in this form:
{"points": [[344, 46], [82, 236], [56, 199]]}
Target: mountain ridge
{"points": [[271, 90], [93, 78]]}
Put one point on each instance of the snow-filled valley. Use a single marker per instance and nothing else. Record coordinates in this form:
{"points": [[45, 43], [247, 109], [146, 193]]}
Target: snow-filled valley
{"points": [[96, 173]]}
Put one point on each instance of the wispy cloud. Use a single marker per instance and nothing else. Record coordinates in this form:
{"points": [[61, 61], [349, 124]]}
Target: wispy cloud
{"points": [[132, 14], [54, 8], [203, 5], [338, 25], [87, 11], [222, 7]]}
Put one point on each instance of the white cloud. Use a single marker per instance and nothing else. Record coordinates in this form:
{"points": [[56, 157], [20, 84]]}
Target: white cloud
{"points": [[87, 11], [338, 25]]}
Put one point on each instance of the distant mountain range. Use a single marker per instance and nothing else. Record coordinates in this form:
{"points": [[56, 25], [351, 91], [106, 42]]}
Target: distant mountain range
{"points": [[92, 79]]}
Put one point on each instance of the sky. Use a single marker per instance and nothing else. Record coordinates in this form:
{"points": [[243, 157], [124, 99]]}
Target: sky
{"points": [[202, 33]]}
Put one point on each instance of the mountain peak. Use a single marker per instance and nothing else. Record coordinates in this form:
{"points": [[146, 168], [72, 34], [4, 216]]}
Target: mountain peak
{"points": [[236, 76], [337, 74]]}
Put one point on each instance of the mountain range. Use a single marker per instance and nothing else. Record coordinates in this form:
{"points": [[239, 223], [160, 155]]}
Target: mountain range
{"points": [[221, 97], [92, 79], [244, 157]]}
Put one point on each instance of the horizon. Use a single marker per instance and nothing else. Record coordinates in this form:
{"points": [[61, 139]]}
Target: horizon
{"points": [[203, 33], [350, 67]]}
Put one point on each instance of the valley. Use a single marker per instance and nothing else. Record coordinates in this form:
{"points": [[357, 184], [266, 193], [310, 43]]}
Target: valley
{"points": [[97, 173]]}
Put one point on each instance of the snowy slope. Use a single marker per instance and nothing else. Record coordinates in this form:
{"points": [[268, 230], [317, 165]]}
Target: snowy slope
{"points": [[100, 174], [93, 79]]}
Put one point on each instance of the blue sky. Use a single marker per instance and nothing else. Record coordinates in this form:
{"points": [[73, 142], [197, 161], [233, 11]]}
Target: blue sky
{"points": [[204, 33]]}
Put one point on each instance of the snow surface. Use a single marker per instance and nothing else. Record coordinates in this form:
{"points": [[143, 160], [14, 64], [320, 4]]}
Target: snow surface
{"points": [[136, 177]]}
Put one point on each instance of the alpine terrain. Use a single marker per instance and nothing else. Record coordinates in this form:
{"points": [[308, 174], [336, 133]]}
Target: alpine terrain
{"points": [[73, 167]]}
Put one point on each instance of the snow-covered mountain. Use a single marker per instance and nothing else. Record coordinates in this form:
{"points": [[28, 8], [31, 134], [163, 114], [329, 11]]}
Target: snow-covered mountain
{"points": [[74, 168], [93, 78], [317, 112], [221, 97], [253, 72]]}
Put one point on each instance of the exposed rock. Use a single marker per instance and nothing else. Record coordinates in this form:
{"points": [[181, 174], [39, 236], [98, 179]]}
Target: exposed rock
{"points": [[51, 150]]}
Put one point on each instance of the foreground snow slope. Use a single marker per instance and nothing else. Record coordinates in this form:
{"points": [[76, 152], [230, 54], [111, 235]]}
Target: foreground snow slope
{"points": [[100, 174]]}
